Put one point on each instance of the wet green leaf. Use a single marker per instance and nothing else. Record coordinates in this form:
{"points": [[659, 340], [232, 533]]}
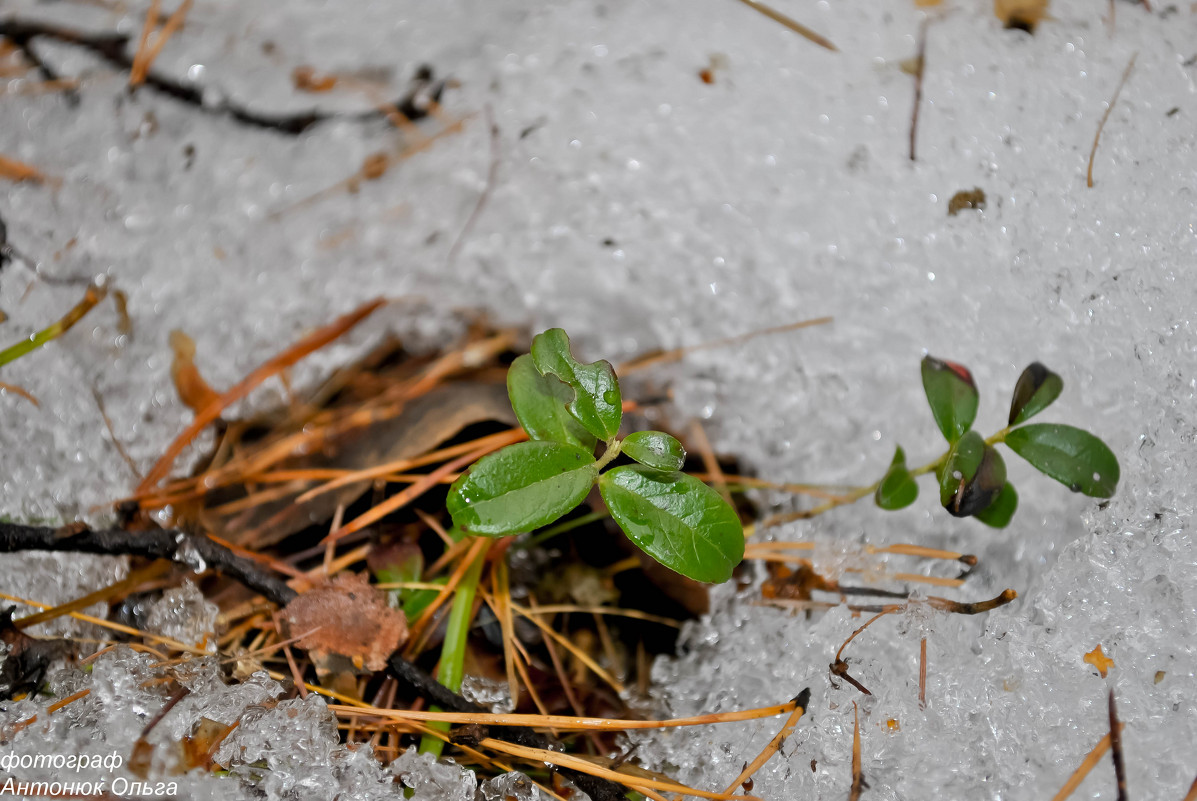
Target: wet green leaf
{"points": [[1001, 510], [597, 403], [521, 488], [952, 396], [972, 476], [1072, 456], [676, 519], [654, 449], [539, 402], [898, 489], [1036, 389]]}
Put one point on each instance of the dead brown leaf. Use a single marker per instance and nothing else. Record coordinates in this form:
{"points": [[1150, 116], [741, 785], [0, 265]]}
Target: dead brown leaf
{"points": [[347, 617]]}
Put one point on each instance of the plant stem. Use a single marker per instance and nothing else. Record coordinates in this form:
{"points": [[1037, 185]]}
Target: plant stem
{"points": [[609, 455], [454, 647], [854, 495]]}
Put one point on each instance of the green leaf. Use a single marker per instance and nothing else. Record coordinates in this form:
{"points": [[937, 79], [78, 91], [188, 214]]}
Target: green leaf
{"points": [[1036, 389], [898, 489], [539, 403], [394, 563], [952, 395], [972, 476], [1072, 456], [654, 449], [1001, 510], [521, 488], [597, 403], [676, 519]]}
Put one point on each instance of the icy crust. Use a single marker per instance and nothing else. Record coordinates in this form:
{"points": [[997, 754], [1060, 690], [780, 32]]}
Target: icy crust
{"points": [[1012, 707], [279, 749], [183, 615], [58, 578]]}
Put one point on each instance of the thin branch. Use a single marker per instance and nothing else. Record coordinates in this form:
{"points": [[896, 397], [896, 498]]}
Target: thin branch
{"points": [[113, 49], [1101, 125], [920, 62]]}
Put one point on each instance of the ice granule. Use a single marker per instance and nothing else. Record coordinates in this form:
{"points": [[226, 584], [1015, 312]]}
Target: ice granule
{"points": [[431, 780], [490, 693], [183, 615], [511, 786]]}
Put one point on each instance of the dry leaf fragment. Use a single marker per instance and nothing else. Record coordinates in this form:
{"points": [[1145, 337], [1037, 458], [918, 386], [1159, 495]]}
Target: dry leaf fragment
{"points": [[192, 388], [306, 79], [1099, 660], [347, 617], [966, 199], [1021, 14]]}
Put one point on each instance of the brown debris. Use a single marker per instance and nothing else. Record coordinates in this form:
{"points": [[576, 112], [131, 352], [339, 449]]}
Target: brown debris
{"points": [[966, 199], [1024, 15], [347, 617]]}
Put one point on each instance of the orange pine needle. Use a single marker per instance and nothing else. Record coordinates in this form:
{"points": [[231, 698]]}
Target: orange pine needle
{"points": [[19, 171], [104, 593], [857, 775], [146, 53], [287, 358], [572, 723], [143, 43], [543, 756], [57, 705], [799, 709], [794, 25], [408, 495], [923, 673], [344, 477], [24, 393], [581, 655], [1191, 795], [1087, 764]]}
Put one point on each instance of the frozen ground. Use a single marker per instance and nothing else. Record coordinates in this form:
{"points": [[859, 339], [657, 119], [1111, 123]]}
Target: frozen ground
{"points": [[641, 207]]}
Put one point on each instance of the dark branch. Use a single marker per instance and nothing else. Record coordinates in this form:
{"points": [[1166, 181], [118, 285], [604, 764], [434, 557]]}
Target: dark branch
{"points": [[113, 48], [187, 549]]}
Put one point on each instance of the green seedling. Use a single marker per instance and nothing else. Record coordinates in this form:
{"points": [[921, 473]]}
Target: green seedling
{"points": [[972, 474], [569, 409]]}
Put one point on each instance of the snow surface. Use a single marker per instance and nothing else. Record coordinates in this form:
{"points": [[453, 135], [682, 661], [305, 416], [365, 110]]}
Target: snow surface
{"points": [[640, 207]]}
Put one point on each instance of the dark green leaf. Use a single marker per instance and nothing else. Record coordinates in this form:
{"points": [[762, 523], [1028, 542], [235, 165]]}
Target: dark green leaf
{"points": [[597, 403], [999, 513], [1072, 456], [1037, 387], [972, 476], [539, 403], [521, 488], [898, 489], [952, 396], [654, 449], [676, 519]]}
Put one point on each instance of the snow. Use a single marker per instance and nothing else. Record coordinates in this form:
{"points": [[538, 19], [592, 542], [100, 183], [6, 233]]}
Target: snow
{"points": [[640, 207]]}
